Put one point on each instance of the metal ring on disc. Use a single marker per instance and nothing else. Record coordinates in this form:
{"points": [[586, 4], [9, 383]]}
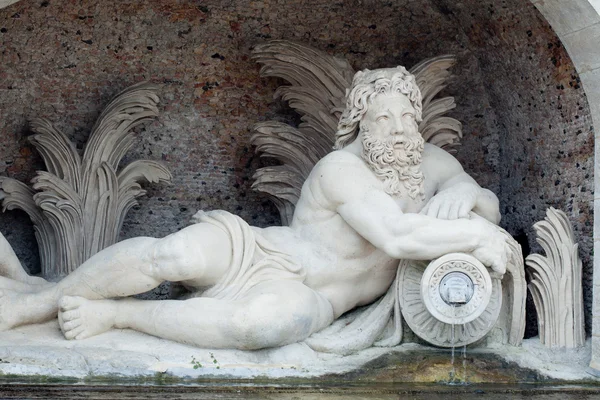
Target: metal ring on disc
{"points": [[456, 264]]}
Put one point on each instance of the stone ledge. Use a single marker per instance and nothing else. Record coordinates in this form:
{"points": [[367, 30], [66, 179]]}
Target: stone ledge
{"points": [[39, 354]]}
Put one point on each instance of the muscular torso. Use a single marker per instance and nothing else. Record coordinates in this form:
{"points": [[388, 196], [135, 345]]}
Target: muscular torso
{"points": [[342, 265]]}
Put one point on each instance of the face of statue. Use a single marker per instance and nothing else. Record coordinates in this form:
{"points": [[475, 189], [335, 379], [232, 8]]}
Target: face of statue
{"points": [[392, 119], [392, 144]]}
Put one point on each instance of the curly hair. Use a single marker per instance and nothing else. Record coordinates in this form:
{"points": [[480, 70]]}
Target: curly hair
{"points": [[366, 85]]}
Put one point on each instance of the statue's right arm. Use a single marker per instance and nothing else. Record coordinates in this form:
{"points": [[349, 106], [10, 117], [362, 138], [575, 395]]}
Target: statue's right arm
{"points": [[358, 196]]}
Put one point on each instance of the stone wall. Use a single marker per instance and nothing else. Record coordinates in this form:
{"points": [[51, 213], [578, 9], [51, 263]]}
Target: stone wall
{"points": [[516, 90], [545, 128]]}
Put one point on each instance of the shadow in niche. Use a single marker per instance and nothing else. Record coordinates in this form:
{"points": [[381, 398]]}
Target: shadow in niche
{"points": [[531, 322]]}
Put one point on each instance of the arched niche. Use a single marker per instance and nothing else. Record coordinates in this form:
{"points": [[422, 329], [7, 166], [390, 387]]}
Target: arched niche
{"points": [[577, 24], [518, 94]]}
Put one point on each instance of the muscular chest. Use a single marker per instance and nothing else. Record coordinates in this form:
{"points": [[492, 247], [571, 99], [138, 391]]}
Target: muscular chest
{"points": [[410, 205]]}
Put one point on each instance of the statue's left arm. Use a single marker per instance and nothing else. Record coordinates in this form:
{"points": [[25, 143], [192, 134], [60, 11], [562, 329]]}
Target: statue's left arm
{"points": [[457, 193]]}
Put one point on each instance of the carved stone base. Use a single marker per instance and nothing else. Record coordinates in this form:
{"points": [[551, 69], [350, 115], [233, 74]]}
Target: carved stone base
{"points": [[430, 328], [38, 353]]}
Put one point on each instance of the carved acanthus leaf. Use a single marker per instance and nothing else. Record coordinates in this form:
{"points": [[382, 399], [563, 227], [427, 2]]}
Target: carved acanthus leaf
{"points": [[79, 204], [59, 154], [516, 286], [555, 283], [432, 77], [129, 188], [111, 136], [17, 195]]}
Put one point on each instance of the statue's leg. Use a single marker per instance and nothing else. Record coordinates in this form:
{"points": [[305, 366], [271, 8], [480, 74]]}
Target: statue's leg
{"points": [[22, 287], [10, 266], [200, 253], [271, 314]]}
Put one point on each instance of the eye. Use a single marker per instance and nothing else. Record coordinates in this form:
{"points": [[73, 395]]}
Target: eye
{"points": [[382, 118], [411, 115]]}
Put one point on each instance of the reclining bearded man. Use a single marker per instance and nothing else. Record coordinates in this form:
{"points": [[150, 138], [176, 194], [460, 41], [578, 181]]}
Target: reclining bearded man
{"points": [[383, 195]]}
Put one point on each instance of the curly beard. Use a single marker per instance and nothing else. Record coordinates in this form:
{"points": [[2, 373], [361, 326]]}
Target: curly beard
{"points": [[398, 172]]}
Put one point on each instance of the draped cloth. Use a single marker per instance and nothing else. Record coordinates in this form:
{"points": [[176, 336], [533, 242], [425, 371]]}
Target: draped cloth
{"points": [[254, 259], [380, 324]]}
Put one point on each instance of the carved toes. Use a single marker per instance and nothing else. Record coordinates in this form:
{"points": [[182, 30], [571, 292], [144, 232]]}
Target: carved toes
{"points": [[69, 316], [73, 333]]}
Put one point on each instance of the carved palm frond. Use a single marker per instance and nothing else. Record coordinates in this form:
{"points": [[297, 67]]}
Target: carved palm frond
{"points": [[130, 189], [79, 204], [432, 77], [317, 92], [555, 283], [59, 154], [17, 195]]}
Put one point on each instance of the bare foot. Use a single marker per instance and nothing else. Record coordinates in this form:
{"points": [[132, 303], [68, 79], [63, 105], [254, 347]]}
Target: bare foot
{"points": [[81, 318]]}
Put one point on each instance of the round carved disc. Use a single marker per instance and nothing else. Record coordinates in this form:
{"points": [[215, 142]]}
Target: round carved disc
{"points": [[430, 328], [479, 290]]}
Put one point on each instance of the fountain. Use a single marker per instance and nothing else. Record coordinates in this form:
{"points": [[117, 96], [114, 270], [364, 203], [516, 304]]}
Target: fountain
{"points": [[456, 289]]}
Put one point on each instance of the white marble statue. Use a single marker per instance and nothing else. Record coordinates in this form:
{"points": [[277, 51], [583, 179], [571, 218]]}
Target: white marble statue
{"points": [[383, 195]]}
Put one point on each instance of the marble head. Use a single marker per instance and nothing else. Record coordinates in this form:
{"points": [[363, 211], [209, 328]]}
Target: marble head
{"points": [[383, 108], [366, 86]]}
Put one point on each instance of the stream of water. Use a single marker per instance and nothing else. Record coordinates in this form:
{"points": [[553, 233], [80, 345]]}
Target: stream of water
{"points": [[453, 379]]}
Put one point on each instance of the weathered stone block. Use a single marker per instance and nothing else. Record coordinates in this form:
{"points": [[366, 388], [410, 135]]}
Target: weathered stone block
{"points": [[591, 84], [584, 43], [566, 16]]}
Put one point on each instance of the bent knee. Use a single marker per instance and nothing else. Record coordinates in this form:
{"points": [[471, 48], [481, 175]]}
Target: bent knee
{"points": [[172, 260], [198, 251]]}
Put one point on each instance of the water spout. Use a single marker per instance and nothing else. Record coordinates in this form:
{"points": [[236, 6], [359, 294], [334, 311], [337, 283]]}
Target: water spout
{"points": [[453, 378], [456, 288]]}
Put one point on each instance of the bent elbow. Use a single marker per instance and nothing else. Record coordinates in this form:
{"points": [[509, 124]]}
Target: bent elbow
{"points": [[497, 218], [394, 250]]}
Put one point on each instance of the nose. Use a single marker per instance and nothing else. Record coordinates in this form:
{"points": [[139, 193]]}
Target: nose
{"points": [[397, 127]]}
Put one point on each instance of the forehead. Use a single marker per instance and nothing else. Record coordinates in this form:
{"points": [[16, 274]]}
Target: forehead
{"points": [[394, 102]]}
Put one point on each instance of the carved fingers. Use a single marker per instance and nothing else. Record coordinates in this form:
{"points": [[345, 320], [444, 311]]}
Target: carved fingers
{"points": [[452, 203], [494, 251]]}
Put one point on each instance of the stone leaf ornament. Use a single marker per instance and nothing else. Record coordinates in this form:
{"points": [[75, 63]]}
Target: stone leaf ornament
{"points": [[317, 92], [78, 205], [555, 283]]}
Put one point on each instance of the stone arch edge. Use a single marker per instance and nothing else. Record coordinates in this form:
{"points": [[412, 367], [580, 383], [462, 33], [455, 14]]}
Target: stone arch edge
{"points": [[577, 24]]}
